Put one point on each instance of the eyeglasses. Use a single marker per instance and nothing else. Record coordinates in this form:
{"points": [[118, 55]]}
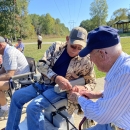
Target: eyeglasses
{"points": [[76, 47]]}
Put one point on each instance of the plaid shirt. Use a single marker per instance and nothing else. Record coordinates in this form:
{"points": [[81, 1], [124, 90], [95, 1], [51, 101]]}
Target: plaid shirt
{"points": [[78, 67]]}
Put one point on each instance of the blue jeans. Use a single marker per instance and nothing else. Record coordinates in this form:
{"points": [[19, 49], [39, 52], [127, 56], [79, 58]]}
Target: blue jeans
{"points": [[35, 117]]}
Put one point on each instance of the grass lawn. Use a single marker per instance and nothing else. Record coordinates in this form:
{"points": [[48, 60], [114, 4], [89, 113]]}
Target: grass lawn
{"points": [[124, 34], [44, 40], [32, 51]]}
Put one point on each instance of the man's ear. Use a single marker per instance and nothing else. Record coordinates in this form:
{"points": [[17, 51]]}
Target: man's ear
{"points": [[67, 38], [102, 54]]}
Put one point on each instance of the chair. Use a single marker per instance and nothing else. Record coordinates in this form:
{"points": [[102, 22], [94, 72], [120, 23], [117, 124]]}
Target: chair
{"points": [[22, 80], [31, 63]]}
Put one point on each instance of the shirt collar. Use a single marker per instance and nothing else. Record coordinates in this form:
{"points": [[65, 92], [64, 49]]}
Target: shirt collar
{"points": [[7, 46], [115, 67]]}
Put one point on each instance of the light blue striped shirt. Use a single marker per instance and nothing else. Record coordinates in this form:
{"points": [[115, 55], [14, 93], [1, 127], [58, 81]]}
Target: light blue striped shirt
{"points": [[114, 107]]}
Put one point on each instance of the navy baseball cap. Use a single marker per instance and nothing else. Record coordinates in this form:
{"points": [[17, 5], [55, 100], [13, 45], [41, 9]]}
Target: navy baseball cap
{"points": [[101, 37]]}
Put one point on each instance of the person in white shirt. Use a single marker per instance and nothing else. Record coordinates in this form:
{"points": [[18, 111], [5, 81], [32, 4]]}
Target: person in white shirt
{"points": [[39, 41], [113, 105], [14, 63]]}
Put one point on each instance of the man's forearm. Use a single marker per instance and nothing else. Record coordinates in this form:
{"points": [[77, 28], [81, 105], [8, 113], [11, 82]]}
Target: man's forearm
{"points": [[4, 77]]}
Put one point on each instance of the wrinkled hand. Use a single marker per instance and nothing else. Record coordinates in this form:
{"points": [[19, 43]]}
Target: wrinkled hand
{"points": [[63, 83], [90, 94], [78, 88], [73, 96]]}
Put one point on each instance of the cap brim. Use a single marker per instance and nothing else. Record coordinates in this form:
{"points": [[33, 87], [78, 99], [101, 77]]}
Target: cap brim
{"points": [[84, 52], [79, 42]]}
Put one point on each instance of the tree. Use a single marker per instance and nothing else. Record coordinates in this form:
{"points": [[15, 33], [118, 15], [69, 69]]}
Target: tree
{"points": [[6, 14], [98, 12], [15, 21], [14, 18], [46, 24], [36, 21], [87, 24], [120, 14], [22, 21]]}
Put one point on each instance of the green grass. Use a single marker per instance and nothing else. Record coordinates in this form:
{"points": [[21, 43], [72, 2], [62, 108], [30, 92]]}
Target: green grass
{"points": [[32, 51], [124, 34], [45, 40]]}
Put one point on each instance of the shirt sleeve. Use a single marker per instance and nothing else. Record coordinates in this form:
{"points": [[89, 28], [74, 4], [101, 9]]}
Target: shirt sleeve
{"points": [[45, 66], [106, 110], [10, 61], [21, 46]]}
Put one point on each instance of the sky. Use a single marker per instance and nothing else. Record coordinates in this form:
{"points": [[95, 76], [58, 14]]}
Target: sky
{"points": [[72, 12]]}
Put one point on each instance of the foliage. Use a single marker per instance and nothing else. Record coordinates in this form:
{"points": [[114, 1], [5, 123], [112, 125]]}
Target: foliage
{"points": [[15, 22], [34, 18], [87, 24], [98, 12], [6, 14], [47, 25], [119, 14]]}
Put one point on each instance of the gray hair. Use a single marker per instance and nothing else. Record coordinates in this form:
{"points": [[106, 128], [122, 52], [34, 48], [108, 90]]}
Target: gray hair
{"points": [[114, 50]]}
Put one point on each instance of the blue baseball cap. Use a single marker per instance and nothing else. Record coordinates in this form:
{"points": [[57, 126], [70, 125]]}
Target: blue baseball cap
{"points": [[101, 37]]}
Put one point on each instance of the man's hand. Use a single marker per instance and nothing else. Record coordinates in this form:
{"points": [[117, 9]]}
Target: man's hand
{"points": [[6, 76], [90, 94], [78, 88], [63, 83], [73, 97]]}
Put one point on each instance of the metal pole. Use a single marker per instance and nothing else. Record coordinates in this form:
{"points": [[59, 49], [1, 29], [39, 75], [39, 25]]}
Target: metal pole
{"points": [[14, 21]]}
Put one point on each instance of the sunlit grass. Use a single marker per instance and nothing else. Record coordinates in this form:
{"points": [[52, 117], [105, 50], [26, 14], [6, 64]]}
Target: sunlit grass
{"points": [[32, 51], [45, 40]]}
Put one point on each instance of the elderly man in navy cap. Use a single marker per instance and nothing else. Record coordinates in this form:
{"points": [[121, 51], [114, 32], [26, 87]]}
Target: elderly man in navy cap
{"points": [[113, 105]]}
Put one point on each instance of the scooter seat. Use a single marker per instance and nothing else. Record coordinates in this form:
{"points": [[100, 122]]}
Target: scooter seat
{"points": [[58, 105]]}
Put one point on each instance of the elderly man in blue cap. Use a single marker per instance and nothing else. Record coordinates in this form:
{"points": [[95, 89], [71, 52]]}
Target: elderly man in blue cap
{"points": [[113, 105]]}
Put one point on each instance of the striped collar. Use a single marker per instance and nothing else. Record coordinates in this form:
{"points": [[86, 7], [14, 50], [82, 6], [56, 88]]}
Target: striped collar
{"points": [[6, 48], [116, 66]]}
